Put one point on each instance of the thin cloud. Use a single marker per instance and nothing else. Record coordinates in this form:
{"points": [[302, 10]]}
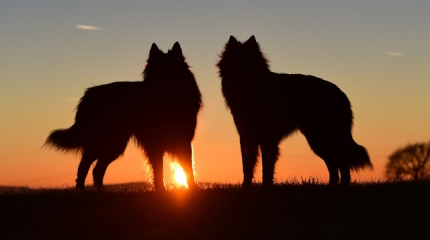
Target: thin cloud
{"points": [[89, 27], [394, 54]]}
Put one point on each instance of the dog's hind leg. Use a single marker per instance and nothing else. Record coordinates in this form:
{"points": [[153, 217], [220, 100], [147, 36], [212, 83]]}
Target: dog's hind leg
{"points": [[249, 149], [99, 172], [333, 171], [345, 175], [269, 155], [112, 150], [325, 149], [88, 157]]}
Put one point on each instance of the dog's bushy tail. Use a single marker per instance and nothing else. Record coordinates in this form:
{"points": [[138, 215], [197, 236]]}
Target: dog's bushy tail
{"points": [[66, 140], [359, 158]]}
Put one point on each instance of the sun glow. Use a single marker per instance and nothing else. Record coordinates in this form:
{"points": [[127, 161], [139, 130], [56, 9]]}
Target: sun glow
{"points": [[179, 175]]}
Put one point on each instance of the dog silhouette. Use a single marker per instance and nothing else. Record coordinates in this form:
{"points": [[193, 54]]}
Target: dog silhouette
{"points": [[268, 107], [159, 113]]}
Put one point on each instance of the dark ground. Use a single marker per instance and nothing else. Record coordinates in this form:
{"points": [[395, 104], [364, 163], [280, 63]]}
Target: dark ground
{"points": [[288, 211]]}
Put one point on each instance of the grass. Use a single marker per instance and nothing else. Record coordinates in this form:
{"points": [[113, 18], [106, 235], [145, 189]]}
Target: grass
{"points": [[295, 210]]}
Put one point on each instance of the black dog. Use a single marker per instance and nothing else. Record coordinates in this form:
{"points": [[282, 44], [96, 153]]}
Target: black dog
{"points": [[268, 107], [159, 112]]}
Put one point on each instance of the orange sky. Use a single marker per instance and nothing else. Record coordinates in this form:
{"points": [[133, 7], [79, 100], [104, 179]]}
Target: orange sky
{"points": [[376, 53]]}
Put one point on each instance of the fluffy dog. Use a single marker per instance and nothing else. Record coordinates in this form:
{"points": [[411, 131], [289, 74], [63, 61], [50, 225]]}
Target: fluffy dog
{"points": [[268, 107], [160, 112]]}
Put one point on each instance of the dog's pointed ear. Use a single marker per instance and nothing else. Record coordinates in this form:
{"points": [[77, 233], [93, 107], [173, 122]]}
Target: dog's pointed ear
{"points": [[155, 51], [232, 39], [176, 50], [252, 41], [232, 42]]}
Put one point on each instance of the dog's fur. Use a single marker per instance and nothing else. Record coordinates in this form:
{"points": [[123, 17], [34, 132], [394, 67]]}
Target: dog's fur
{"points": [[268, 107], [159, 112]]}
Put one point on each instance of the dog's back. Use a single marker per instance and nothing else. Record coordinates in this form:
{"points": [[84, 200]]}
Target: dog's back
{"points": [[111, 105], [295, 101]]}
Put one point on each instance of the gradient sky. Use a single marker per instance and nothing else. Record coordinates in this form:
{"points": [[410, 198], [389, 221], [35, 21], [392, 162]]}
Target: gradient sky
{"points": [[377, 52]]}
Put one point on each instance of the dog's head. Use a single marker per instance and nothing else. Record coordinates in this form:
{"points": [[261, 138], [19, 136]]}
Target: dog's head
{"points": [[165, 65], [242, 58]]}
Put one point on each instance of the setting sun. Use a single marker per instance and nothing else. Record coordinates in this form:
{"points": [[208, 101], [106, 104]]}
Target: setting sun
{"points": [[179, 175]]}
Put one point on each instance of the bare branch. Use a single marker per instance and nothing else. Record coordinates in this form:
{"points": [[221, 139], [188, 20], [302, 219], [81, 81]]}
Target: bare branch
{"points": [[412, 161]]}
